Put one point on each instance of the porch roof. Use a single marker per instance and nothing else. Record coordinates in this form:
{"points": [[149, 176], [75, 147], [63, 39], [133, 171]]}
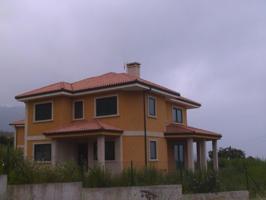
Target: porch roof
{"points": [[181, 131], [82, 128]]}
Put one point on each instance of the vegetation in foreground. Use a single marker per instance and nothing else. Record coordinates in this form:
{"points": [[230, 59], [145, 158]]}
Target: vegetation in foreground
{"points": [[236, 173]]}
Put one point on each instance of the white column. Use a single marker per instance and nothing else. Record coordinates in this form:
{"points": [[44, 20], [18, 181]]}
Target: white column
{"points": [[118, 154], [101, 150], [203, 158], [215, 155], [190, 159]]}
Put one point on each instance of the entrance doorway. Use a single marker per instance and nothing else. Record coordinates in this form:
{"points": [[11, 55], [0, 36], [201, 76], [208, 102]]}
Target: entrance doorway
{"points": [[179, 155], [83, 155]]}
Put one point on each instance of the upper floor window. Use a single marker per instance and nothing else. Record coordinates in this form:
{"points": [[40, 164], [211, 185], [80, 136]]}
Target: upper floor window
{"points": [[42, 152], [177, 115], [78, 110], [153, 150], [152, 106], [106, 106], [43, 111]]}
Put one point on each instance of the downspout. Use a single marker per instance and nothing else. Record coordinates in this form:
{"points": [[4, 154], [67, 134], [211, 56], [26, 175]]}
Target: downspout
{"points": [[145, 126]]}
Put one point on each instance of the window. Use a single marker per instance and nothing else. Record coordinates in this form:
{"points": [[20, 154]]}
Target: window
{"points": [[153, 150], [106, 106], [177, 115], [43, 111], [152, 106], [109, 150], [78, 110], [42, 152]]}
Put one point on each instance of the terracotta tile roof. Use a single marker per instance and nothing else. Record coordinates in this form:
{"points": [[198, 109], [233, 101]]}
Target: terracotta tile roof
{"points": [[18, 123], [93, 83], [176, 129], [84, 126]]}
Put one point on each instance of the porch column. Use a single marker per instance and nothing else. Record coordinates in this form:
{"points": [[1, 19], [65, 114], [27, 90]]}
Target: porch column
{"points": [[101, 150], [215, 155], [118, 154], [190, 159], [203, 158]]}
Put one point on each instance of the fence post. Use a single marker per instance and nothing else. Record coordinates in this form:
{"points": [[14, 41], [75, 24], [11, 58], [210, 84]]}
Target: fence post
{"points": [[3, 187]]}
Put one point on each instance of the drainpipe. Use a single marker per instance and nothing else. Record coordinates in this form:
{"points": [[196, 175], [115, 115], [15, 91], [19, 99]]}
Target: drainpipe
{"points": [[145, 126]]}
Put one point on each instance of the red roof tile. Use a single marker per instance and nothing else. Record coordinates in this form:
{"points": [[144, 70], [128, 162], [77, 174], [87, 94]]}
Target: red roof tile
{"points": [[176, 129], [103, 81], [84, 126], [18, 123]]}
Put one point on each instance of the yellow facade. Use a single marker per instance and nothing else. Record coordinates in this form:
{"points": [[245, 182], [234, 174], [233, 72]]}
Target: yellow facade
{"points": [[130, 118]]}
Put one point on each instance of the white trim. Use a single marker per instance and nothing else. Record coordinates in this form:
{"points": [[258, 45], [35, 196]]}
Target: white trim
{"points": [[26, 130], [37, 137], [142, 86], [182, 112], [183, 103], [42, 142], [106, 96], [148, 103], [34, 111], [73, 109], [156, 142], [141, 133]]}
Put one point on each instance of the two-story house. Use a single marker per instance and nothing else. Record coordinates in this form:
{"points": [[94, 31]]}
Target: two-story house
{"points": [[114, 120]]}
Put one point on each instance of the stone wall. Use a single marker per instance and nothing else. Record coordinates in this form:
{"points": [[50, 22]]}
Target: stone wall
{"points": [[166, 192], [236, 195], [74, 191]]}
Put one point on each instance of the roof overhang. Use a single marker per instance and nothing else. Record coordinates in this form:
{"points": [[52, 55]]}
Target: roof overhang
{"points": [[82, 134], [195, 136]]}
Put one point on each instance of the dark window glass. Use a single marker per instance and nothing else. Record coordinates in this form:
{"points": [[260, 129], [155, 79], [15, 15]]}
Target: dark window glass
{"points": [[153, 150], [106, 106], [43, 111], [95, 154], [42, 152], [110, 150], [78, 109], [177, 115], [152, 106]]}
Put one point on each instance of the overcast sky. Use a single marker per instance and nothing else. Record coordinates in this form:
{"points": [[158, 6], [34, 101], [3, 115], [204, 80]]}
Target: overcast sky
{"points": [[211, 51]]}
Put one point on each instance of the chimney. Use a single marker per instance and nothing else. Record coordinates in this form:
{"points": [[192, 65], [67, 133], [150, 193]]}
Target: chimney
{"points": [[133, 69]]}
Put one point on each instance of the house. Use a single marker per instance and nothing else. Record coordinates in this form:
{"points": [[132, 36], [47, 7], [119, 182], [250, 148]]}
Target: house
{"points": [[113, 120]]}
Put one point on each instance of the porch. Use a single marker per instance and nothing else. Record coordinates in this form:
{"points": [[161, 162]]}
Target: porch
{"points": [[88, 144], [181, 141]]}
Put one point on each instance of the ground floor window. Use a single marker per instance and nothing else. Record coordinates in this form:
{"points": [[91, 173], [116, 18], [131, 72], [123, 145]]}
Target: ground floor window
{"points": [[109, 150], [42, 152], [153, 150]]}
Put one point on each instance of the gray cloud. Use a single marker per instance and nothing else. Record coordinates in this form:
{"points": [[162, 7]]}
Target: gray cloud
{"points": [[211, 51]]}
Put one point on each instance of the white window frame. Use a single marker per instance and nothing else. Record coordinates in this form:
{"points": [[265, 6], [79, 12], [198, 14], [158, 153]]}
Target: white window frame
{"points": [[148, 109], [106, 96], [34, 112], [33, 152], [176, 107], [73, 110], [157, 154]]}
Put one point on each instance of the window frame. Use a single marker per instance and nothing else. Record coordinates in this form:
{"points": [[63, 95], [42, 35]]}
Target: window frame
{"points": [[42, 143], [103, 97], [182, 114], [73, 110], [155, 106], [156, 145], [34, 112]]}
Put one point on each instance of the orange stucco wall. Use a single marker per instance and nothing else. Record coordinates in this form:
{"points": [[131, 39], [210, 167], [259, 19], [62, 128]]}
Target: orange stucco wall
{"points": [[19, 136], [130, 118]]}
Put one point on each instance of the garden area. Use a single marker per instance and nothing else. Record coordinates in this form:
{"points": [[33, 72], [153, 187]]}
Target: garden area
{"points": [[236, 173]]}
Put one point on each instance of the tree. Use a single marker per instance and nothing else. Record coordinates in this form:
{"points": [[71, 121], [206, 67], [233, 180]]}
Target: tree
{"points": [[229, 153]]}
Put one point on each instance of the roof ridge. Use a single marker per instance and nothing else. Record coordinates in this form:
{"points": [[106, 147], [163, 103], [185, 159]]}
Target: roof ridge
{"points": [[93, 77]]}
